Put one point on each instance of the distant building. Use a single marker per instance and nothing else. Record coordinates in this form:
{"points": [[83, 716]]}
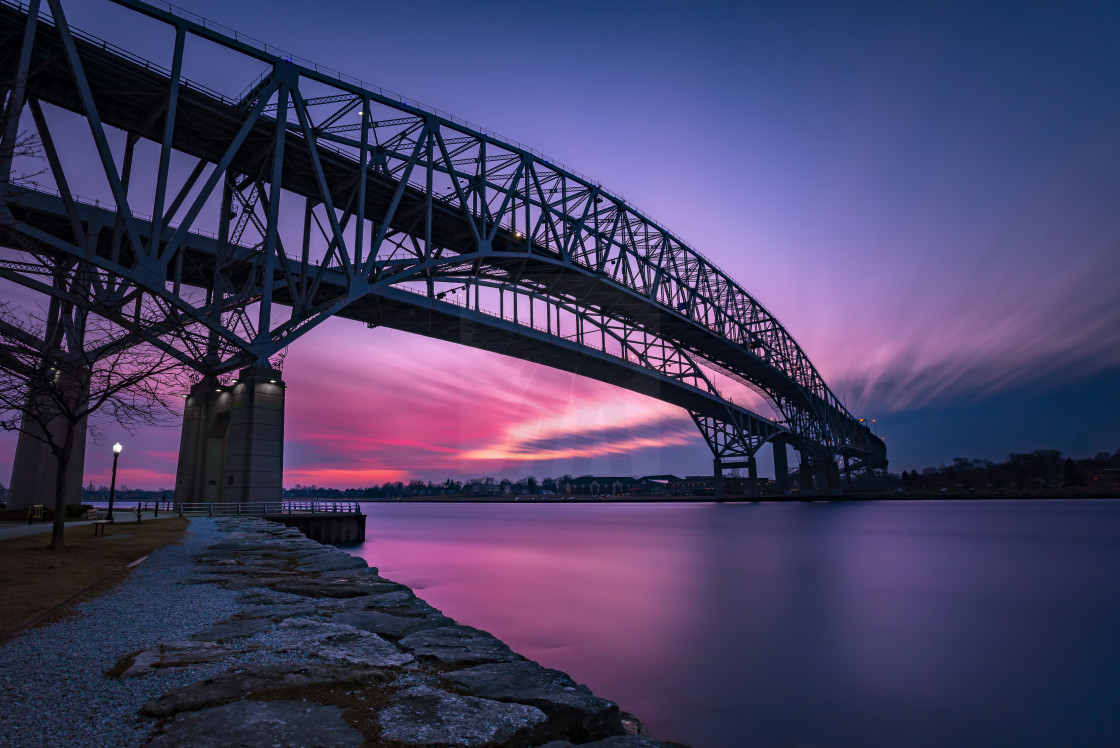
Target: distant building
{"points": [[481, 488], [596, 485], [658, 485], [693, 485], [705, 485], [1104, 477]]}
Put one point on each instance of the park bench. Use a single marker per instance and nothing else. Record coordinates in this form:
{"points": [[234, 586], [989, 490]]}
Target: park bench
{"points": [[94, 518], [34, 512]]}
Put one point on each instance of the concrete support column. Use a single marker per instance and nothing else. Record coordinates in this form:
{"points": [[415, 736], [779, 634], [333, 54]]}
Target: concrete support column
{"points": [[34, 467], [781, 467], [832, 475], [805, 474], [847, 474], [752, 477], [717, 473], [232, 445], [254, 461], [202, 443]]}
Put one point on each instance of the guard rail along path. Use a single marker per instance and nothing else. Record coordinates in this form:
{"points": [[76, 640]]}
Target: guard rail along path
{"points": [[324, 521]]}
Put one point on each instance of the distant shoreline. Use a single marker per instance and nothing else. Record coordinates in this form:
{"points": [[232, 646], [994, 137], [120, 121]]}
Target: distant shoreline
{"points": [[1063, 494]]}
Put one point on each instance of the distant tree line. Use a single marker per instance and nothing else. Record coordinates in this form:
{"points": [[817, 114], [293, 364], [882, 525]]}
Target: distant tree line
{"points": [[1042, 468], [450, 487]]}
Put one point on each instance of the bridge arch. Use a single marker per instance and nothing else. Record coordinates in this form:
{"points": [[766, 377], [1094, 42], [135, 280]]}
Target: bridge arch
{"points": [[399, 212]]}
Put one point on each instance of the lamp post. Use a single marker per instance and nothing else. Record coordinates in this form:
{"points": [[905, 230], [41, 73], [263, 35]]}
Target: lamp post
{"points": [[113, 484]]}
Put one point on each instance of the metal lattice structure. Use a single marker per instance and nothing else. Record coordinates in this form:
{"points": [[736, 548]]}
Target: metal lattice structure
{"points": [[313, 195]]}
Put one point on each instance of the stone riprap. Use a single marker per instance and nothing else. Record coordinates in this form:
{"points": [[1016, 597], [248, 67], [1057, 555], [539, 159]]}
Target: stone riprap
{"points": [[314, 648]]}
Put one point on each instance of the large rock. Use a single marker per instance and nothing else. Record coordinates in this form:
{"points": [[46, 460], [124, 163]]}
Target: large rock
{"points": [[280, 611], [241, 682], [334, 561], [233, 629], [425, 716], [260, 723], [248, 581], [573, 711], [368, 574], [173, 656], [621, 741], [385, 601], [458, 645], [326, 588], [333, 641], [387, 625]]}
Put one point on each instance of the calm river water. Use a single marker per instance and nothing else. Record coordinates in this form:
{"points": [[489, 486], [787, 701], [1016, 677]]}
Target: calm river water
{"points": [[858, 624]]}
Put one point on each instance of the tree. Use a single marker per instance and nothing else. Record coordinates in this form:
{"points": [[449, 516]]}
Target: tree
{"points": [[1019, 464], [1071, 476], [62, 371]]}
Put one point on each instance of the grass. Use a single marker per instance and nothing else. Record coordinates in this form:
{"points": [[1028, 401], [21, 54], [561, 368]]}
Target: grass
{"points": [[39, 584]]}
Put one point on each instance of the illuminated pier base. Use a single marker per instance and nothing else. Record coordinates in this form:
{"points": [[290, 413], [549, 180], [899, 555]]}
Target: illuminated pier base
{"points": [[232, 447]]}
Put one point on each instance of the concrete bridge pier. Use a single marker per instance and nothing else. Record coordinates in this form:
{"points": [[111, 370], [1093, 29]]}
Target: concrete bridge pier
{"points": [[719, 491], [752, 477], [35, 468], [805, 474], [232, 444], [832, 475], [781, 466], [847, 474]]}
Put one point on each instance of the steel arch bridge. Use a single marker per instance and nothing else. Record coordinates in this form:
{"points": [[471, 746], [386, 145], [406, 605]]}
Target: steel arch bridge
{"points": [[300, 194]]}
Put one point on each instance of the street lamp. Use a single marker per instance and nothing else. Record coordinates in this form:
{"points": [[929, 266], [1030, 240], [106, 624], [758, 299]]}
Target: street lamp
{"points": [[113, 484]]}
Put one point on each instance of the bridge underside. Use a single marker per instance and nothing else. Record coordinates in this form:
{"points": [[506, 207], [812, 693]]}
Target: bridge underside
{"points": [[409, 221]]}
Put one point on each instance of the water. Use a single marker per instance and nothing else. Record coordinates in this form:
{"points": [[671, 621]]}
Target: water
{"points": [[861, 624]]}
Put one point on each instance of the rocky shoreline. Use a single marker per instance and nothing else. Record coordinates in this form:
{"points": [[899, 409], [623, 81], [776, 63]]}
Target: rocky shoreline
{"points": [[351, 659]]}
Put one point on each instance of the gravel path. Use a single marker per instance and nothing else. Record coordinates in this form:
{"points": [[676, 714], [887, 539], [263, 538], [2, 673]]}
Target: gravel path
{"points": [[53, 691]]}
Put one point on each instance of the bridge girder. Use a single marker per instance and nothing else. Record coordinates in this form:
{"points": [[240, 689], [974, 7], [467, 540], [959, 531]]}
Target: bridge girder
{"points": [[394, 197]]}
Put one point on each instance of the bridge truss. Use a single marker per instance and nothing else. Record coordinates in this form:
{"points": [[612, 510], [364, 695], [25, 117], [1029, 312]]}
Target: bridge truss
{"points": [[310, 195]]}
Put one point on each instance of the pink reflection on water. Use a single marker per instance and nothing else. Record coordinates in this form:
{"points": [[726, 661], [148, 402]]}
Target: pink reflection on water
{"points": [[577, 593], [839, 624]]}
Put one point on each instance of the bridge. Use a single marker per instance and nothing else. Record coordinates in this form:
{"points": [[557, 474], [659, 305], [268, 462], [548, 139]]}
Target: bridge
{"points": [[309, 194]]}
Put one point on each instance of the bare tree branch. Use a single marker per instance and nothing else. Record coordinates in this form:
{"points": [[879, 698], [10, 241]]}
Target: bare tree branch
{"points": [[52, 383]]}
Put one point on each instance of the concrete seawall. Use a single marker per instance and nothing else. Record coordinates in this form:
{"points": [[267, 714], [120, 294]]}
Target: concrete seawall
{"points": [[338, 655]]}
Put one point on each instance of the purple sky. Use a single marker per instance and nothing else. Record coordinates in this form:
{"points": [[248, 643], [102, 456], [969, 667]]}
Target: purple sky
{"points": [[927, 200]]}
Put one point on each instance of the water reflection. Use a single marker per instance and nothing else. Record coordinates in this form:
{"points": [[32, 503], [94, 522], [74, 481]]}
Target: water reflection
{"points": [[889, 623]]}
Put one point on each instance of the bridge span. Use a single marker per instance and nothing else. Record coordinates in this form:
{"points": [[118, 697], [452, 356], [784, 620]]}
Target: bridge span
{"points": [[311, 195]]}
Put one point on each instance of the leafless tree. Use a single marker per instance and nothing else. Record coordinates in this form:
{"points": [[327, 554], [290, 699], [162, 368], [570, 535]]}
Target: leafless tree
{"points": [[63, 369]]}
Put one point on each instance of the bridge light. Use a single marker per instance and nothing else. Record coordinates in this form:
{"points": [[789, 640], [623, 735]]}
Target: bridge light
{"points": [[518, 235], [272, 381]]}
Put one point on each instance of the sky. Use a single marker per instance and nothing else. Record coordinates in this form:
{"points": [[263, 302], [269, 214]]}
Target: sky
{"points": [[926, 198]]}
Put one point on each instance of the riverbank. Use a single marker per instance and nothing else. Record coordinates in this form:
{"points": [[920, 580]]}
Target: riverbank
{"points": [[247, 633]]}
